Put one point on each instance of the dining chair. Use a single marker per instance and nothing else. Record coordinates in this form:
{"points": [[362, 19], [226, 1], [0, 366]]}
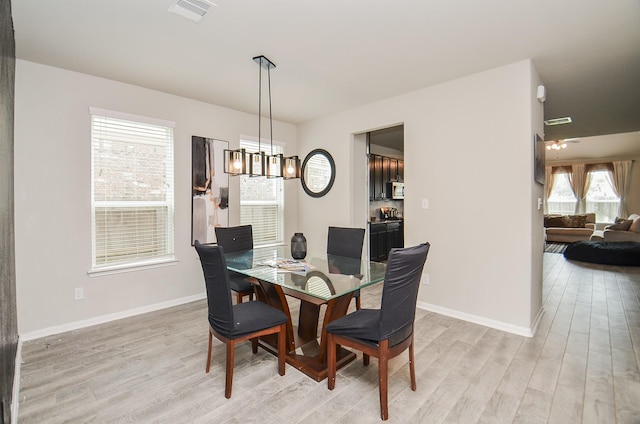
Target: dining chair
{"points": [[345, 242], [236, 239], [386, 332], [233, 324]]}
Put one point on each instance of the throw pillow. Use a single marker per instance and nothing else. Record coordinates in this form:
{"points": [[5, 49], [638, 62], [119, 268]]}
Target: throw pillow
{"points": [[635, 226], [554, 221], [621, 225], [576, 221]]}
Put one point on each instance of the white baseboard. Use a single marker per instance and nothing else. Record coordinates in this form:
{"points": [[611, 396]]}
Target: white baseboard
{"points": [[15, 400], [109, 317], [498, 325]]}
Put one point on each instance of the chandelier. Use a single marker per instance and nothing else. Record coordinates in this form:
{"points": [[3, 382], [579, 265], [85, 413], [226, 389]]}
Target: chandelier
{"points": [[260, 164]]}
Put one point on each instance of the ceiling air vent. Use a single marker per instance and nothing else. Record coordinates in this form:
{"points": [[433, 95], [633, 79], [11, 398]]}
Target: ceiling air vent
{"points": [[191, 9], [558, 121]]}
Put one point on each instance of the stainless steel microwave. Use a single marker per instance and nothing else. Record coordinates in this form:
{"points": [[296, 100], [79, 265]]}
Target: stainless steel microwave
{"points": [[395, 190]]}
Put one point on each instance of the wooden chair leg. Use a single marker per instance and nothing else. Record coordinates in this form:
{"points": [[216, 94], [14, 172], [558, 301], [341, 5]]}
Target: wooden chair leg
{"points": [[383, 375], [358, 304], [282, 348], [331, 362], [229, 378], [412, 366], [365, 359], [209, 352], [239, 297], [254, 345]]}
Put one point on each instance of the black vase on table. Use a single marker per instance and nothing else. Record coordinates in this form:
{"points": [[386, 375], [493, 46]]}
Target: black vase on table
{"points": [[298, 246]]}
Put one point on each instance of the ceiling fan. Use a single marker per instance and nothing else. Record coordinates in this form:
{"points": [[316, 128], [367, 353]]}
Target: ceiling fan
{"points": [[560, 144]]}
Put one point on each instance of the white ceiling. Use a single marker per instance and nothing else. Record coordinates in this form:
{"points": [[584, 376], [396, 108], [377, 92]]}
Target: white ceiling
{"points": [[334, 55]]}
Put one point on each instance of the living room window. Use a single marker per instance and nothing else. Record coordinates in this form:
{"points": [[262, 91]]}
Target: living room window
{"points": [[262, 201], [562, 200], [601, 197], [132, 208]]}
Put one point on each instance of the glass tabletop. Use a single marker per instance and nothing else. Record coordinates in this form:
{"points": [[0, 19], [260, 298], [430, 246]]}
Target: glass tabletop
{"points": [[324, 277]]}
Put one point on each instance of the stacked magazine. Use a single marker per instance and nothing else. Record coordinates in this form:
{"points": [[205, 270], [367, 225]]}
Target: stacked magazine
{"points": [[287, 265]]}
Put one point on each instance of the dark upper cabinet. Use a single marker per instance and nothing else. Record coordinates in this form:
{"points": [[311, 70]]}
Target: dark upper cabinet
{"points": [[376, 177], [383, 169], [392, 172]]}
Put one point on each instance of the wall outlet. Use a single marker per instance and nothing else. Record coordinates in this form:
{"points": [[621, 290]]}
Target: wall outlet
{"points": [[79, 294], [425, 278]]}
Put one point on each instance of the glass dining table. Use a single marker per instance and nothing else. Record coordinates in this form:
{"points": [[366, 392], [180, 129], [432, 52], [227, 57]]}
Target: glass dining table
{"points": [[318, 281]]}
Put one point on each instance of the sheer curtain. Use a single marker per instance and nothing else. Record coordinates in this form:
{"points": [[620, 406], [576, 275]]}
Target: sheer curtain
{"points": [[549, 179], [620, 181], [578, 179]]}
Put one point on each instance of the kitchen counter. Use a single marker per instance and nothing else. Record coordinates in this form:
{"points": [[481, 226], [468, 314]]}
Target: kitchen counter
{"points": [[386, 221]]}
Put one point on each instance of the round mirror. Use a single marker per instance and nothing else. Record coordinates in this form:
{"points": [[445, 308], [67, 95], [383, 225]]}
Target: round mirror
{"points": [[318, 173]]}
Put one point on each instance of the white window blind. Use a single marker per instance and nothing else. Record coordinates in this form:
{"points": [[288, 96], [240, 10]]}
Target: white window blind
{"points": [[131, 190], [262, 201]]}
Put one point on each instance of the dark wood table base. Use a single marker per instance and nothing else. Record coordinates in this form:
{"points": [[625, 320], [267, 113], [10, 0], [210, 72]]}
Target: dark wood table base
{"points": [[304, 351]]}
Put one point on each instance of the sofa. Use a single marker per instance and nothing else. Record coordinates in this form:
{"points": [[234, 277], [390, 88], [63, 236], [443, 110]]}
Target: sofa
{"points": [[569, 228], [623, 230]]}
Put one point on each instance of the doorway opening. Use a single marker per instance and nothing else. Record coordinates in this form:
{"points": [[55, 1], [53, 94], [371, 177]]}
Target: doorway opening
{"points": [[385, 152]]}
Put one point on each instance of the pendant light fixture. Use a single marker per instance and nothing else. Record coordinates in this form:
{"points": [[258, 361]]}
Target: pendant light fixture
{"points": [[265, 161], [240, 162]]}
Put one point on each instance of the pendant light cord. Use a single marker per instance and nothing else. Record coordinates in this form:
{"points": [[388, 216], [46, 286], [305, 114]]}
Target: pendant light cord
{"points": [[259, 103], [270, 116]]}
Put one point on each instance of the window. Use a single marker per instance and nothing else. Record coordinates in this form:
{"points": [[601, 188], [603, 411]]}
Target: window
{"points": [[262, 202], [601, 198], [562, 200], [132, 210]]}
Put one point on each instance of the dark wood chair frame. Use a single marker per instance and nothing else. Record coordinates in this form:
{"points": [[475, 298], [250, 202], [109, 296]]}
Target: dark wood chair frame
{"points": [[280, 330], [383, 352]]}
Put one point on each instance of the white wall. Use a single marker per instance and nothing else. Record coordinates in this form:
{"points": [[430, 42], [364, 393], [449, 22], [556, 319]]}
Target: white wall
{"points": [[52, 189], [469, 150]]}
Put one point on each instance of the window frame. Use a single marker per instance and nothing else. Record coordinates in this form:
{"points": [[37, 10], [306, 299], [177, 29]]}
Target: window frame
{"points": [[167, 256]]}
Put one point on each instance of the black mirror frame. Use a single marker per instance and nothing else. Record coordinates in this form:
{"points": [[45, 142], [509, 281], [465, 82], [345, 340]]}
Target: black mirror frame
{"points": [[332, 164]]}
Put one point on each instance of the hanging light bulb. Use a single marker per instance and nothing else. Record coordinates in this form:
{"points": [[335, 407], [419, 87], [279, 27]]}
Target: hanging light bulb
{"points": [[291, 168], [235, 162], [556, 145]]}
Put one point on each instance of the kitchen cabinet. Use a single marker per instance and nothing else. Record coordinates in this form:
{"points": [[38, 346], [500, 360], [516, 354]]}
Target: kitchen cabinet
{"points": [[383, 237], [376, 177], [392, 171], [383, 169], [378, 242], [395, 235]]}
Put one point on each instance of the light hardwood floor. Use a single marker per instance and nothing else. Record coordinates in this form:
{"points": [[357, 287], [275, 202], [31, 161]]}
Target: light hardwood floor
{"points": [[581, 367]]}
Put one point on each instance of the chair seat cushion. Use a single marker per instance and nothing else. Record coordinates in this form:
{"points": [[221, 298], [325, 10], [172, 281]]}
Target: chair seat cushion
{"points": [[239, 283], [363, 324], [250, 317]]}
